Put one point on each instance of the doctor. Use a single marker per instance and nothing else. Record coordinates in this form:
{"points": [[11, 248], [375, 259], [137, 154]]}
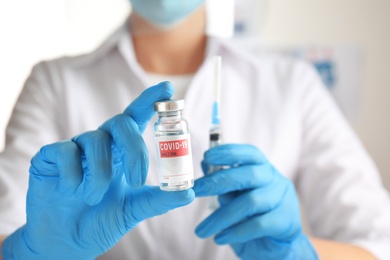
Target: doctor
{"points": [[284, 136]]}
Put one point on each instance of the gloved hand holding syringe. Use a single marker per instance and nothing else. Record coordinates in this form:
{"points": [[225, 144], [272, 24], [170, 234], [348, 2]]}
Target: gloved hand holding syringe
{"points": [[215, 130], [259, 210]]}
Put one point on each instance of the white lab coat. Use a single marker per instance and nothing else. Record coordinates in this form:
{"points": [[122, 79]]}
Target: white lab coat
{"points": [[273, 102]]}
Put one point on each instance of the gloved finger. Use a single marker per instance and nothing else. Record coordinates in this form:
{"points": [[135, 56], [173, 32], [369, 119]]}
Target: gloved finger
{"points": [[234, 154], [142, 108], [228, 197], [204, 167], [233, 179], [131, 146], [96, 151], [250, 203], [151, 201], [278, 224], [63, 160]]}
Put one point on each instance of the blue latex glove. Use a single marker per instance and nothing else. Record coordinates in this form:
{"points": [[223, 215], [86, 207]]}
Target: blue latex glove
{"points": [[86, 193], [259, 214]]}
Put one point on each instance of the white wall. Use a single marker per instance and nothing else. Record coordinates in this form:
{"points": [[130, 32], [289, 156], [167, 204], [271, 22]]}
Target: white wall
{"points": [[359, 22], [31, 31], [34, 30]]}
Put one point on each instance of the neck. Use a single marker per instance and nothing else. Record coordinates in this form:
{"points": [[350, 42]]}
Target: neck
{"points": [[173, 51]]}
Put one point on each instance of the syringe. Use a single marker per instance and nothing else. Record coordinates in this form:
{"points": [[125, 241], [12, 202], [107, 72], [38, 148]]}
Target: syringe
{"points": [[215, 130]]}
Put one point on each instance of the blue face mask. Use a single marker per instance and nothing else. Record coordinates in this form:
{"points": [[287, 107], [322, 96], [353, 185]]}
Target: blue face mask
{"points": [[165, 13]]}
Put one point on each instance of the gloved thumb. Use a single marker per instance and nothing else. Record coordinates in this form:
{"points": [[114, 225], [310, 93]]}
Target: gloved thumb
{"points": [[151, 201], [142, 108]]}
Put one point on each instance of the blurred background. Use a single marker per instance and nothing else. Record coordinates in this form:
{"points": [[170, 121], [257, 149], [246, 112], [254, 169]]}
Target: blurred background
{"points": [[348, 41]]}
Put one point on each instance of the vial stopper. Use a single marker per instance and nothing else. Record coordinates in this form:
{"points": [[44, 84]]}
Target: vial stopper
{"points": [[169, 105]]}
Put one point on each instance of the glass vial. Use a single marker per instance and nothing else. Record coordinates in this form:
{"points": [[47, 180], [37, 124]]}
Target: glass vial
{"points": [[174, 156]]}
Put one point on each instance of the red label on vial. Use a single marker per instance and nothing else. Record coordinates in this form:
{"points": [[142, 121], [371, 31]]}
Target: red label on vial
{"points": [[170, 149]]}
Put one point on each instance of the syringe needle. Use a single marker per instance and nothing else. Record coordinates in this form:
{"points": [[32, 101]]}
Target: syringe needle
{"points": [[215, 130]]}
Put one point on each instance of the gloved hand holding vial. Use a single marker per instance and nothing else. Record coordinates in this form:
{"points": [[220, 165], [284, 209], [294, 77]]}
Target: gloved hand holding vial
{"points": [[86, 193]]}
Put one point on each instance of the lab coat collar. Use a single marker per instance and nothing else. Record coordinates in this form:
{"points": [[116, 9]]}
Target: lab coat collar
{"points": [[126, 49], [121, 39]]}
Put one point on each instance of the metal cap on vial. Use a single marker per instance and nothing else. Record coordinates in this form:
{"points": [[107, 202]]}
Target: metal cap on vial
{"points": [[169, 105]]}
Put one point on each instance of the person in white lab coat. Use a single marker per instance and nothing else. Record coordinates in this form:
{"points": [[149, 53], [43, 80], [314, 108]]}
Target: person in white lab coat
{"points": [[280, 128]]}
